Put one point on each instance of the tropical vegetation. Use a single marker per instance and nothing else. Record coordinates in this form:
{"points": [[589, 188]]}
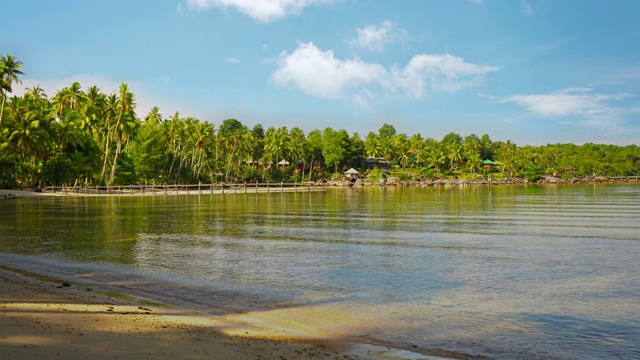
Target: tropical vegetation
{"points": [[85, 136]]}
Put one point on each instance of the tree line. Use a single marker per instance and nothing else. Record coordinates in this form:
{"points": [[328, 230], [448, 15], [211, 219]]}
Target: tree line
{"points": [[86, 136]]}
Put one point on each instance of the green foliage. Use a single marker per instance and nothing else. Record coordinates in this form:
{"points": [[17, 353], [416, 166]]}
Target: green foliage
{"points": [[334, 148], [532, 172], [387, 131], [148, 153], [57, 171], [84, 135], [374, 175]]}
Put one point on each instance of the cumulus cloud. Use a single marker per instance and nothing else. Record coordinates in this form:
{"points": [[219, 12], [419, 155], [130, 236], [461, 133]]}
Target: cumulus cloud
{"points": [[437, 73], [374, 37], [577, 101], [580, 105], [262, 10], [233, 60], [320, 74]]}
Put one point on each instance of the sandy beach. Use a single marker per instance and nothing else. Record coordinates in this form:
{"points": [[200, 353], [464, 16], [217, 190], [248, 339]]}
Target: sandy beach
{"points": [[42, 318]]}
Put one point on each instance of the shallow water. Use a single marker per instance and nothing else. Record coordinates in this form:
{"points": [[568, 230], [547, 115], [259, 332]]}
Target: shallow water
{"points": [[503, 272]]}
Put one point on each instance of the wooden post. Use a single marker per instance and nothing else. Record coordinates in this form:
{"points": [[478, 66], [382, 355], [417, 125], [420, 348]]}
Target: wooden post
{"points": [[211, 188], [164, 188], [199, 189], [267, 187], [222, 187], [245, 187], [281, 186]]}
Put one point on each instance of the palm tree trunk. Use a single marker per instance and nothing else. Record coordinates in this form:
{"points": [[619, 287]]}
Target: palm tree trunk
{"points": [[4, 98], [106, 157], [115, 162]]}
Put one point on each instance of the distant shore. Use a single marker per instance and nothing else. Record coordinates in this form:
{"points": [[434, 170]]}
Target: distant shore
{"points": [[236, 188]]}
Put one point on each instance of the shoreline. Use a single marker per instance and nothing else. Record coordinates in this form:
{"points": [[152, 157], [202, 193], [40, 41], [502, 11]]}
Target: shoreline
{"points": [[302, 187], [42, 317]]}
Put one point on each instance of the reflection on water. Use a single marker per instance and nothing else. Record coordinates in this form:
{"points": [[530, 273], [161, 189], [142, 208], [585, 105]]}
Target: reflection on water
{"points": [[506, 272]]}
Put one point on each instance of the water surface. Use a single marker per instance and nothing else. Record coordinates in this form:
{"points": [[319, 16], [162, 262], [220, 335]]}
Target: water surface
{"points": [[503, 272]]}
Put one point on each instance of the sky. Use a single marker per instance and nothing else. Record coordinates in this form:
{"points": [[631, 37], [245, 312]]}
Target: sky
{"points": [[530, 71]]}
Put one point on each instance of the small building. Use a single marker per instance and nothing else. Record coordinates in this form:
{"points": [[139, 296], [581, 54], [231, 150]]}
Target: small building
{"points": [[490, 164], [351, 173], [282, 164], [380, 163]]}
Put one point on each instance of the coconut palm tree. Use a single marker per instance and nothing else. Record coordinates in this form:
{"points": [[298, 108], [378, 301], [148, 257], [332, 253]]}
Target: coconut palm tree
{"points": [[373, 145], [401, 148], [68, 98], [125, 125], [9, 71], [109, 114], [153, 117], [30, 133]]}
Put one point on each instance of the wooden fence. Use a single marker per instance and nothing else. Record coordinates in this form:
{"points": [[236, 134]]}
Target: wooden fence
{"points": [[187, 189]]}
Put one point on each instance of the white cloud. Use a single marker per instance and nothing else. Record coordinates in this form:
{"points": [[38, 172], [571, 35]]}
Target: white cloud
{"points": [[163, 79], [579, 105], [320, 74], [438, 73], [261, 10], [566, 102], [233, 60], [374, 37]]}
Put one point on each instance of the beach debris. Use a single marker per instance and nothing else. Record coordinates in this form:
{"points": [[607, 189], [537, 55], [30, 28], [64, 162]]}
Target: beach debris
{"points": [[66, 284]]}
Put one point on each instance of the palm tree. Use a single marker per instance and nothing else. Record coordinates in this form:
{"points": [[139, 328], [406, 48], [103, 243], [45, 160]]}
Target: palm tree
{"points": [[68, 130], [153, 117], [416, 144], [30, 132], [125, 125], [400, 145], [9, 71], [110, 112], [68, 98], [373, 145], [454, 154]]}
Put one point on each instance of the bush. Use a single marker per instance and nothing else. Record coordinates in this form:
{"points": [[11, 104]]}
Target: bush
{"points": [[532, 172]]}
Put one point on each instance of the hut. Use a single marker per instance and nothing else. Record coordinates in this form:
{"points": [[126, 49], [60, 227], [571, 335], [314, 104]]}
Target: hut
{"points": [[351, 173], [489, 164], [380, 163], [282, 164]]}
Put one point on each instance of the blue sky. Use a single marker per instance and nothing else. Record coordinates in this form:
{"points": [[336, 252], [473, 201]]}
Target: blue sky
{"points": [[534, 72]]}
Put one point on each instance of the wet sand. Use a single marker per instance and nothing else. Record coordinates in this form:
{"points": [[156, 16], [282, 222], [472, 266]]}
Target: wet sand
{"points": [[42, 318]]}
